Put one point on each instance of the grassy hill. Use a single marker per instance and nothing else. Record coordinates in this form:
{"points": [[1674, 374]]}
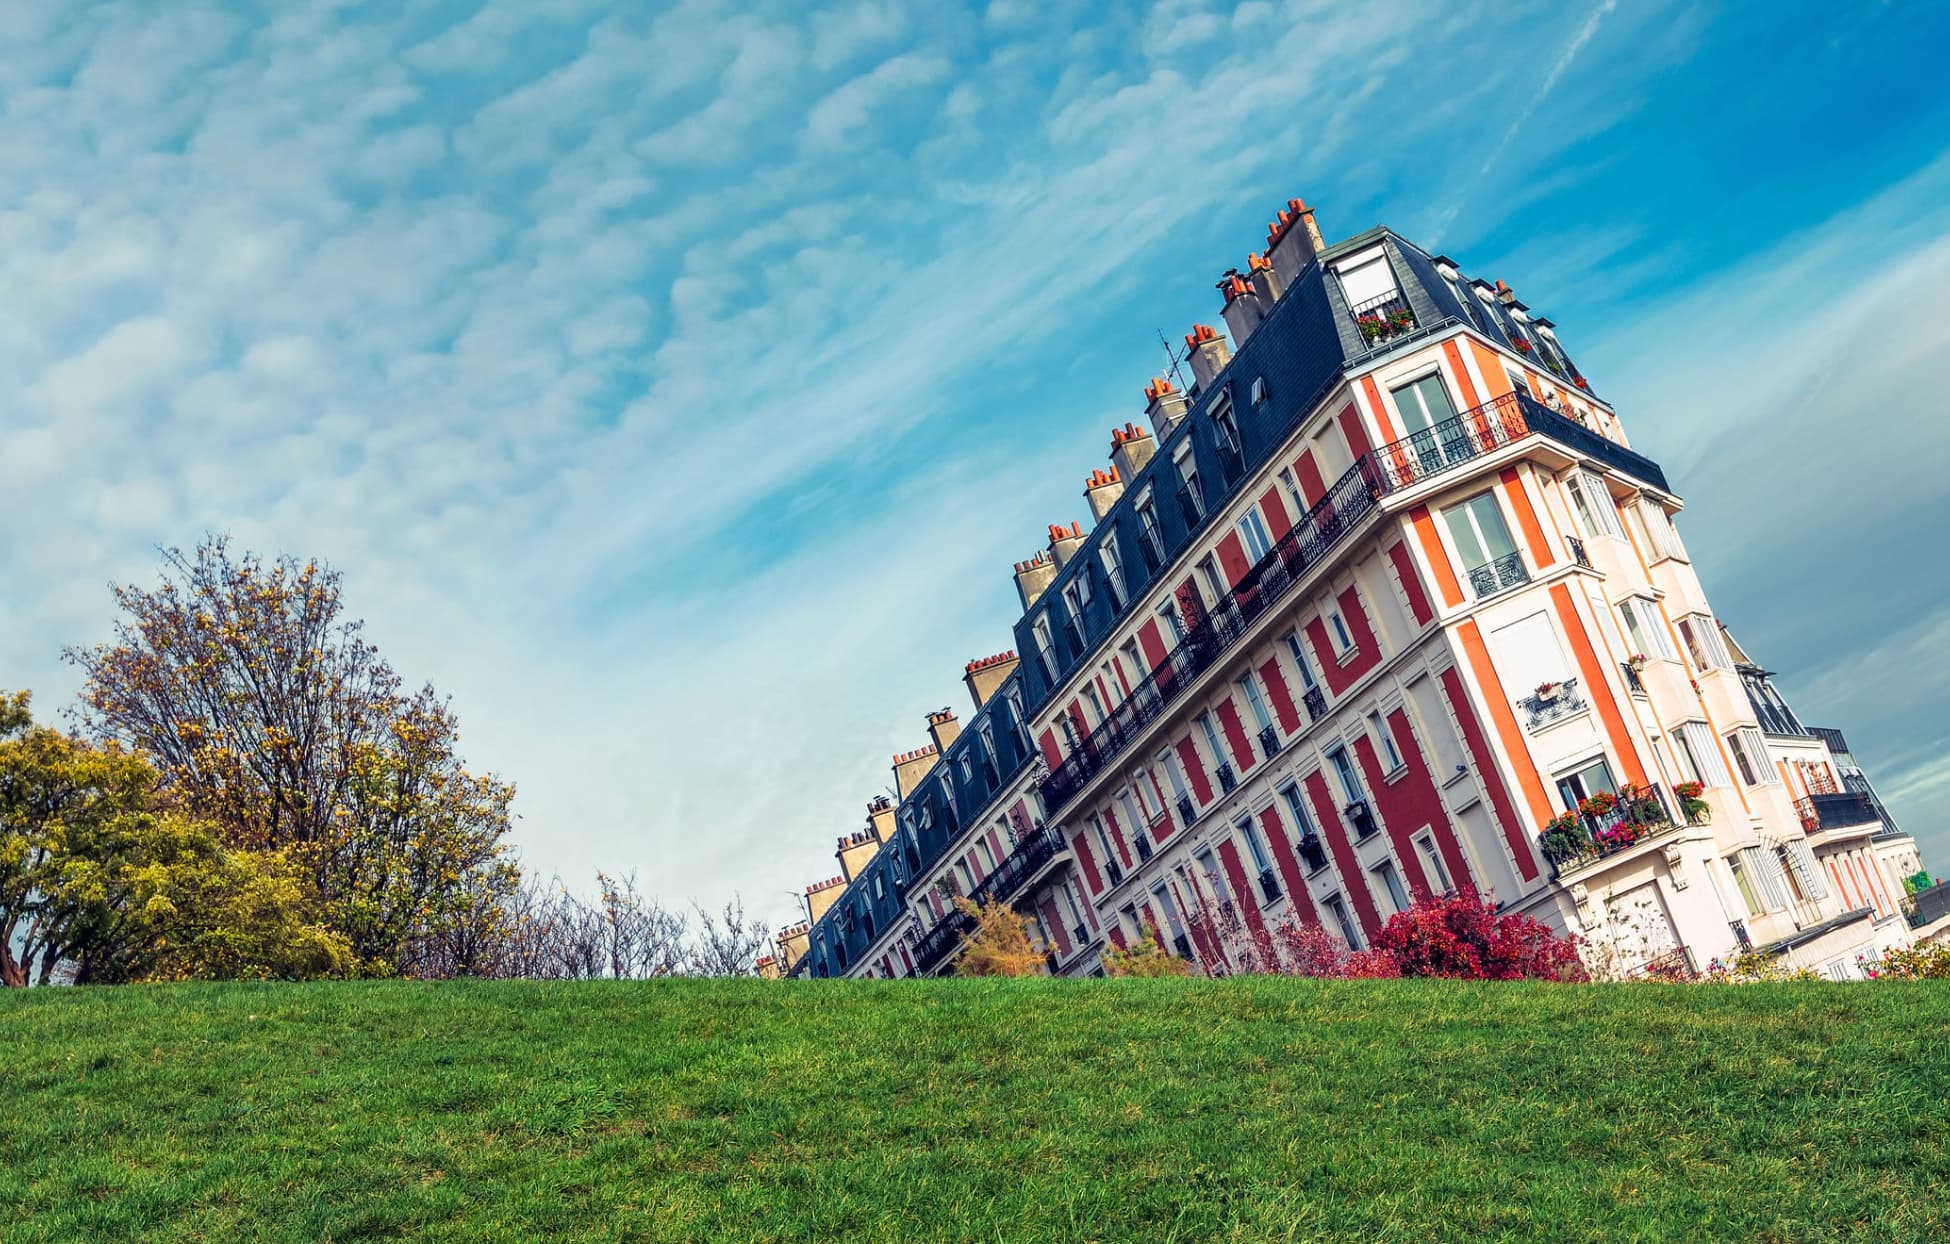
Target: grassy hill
{"points": [[965, 1110]]}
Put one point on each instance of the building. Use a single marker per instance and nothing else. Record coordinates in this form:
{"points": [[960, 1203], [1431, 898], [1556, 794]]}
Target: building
{"points": [[1381, 603]]}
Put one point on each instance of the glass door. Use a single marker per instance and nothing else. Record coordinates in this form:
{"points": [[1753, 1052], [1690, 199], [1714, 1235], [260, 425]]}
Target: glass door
{"points": [[1429, 418]]}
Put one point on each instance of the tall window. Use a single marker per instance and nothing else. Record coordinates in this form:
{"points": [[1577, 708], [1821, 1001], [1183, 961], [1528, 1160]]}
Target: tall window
{"points": [[1343, 638], [1581, 784], [1293, 494], [1337, 908], [1252, 533], [1226, 426], [1432, 860], [1296, 810], [1045, 646], [1174, 627], [1169, 763], [1750, 757], [1113, 572], [1211, 734], [1703, 643], [1075, 597], [1134, 662], [1249, 685], [1154, 536], [1391, 758], [1194, 500], [1645, 628], [1129, 809], [1211, 583], [1423, 404], [1102, 838], [1344, 771], [1597, 513], [1391, 884], [1146, 796], [1489, 555], [1016, 715], [1094, 703], [1298, 649], [1699, 754], [1262, 863]]}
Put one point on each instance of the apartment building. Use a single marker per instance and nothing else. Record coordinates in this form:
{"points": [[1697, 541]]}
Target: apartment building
{"points": [[1380, 602]]}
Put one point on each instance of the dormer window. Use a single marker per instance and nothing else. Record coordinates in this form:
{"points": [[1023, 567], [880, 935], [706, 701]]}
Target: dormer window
{"points": [[1154, 536], [1113, 572], [1045, 646], [1259, 390], [1189, 497]]}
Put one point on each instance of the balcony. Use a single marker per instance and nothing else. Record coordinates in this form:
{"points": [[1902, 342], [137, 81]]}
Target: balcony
{"points": [[1313, 852], [1142, 845], [1316, 702], [1633, 683], [1113, 872], [1332, 520], [1186, 812], [1360, 819], [1552, 703], [1383, 319], [941, 941], [1269, 742], [1612, 823], [1497, 576], [1578, 554], [1226, 779], [1031, 855], [1836, 811], [1269, 885]]}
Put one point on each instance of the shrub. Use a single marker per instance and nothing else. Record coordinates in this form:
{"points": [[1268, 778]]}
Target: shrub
{"points": [[1464, 937], [1000, 944], [1147, 958], [1915, 963]]}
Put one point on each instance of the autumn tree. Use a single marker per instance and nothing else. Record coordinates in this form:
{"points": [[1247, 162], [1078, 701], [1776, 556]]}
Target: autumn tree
{"points": [[269, 715], [102, 880], [1000, 943]]}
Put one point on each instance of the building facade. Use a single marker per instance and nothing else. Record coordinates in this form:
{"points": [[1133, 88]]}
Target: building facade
{"points": [[1380, 604]]}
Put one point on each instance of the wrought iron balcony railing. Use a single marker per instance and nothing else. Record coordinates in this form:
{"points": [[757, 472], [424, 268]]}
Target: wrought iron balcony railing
{"points": [[1634, 815], [1496, 576], [1141, 843], [1187, 813], [1269, 885], [1269, 742], [941, 941], [1227, 780], [1316, 701], [1037, 849], [1313, 852], [1360, 819], [1578, 554], [1351, 499], [1112, 871], [1836, 811], [1547, 706], [1633, 683]]}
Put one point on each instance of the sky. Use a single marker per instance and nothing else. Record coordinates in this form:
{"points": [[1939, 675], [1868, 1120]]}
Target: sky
{"points": [[674, 386]]}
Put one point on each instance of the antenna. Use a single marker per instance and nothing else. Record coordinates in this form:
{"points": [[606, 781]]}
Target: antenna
{"points": [[1172, 360]]}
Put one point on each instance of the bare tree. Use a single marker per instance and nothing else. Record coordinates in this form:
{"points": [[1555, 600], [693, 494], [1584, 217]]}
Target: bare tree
{"points": [[727, 944]]}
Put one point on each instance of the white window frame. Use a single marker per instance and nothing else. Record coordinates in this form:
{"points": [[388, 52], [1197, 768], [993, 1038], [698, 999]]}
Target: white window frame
{"points": [[1045, 644], [1385, 740], [1153, 533], [1592, 502], [1703, 643], [1255, 701], [1389, 878], [1699, 747], [1750, 748], [1344, 644], [1432, 858], [1643, 621], [1257, 392], [1185, 463], [1253, 534], [1225, 424], [1350, 932], [1297, 648], [1113, 568]]}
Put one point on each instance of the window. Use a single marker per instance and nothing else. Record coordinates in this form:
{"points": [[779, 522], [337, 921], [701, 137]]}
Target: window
{"points": [[987, 854], [1489, 556], [1293, 494], [1745, 883], [1597, 513], [1661, 535], [1209, 868], [1432, 858], [1269, 885], [1256, 702], [1750, 757], [1581, 784], [1168, 614], [1423, 405], [1258, 390], [1133, 661], [1045, 646], [1020, 719], [1799, 869], [1169, 764], [1226, 425], [1391, 884], [1113, 686], [1703, 643], [1102, 840], [1154, 536], [1344, 770], [1211, 583], [1094, 703], [1366, 278], [1131, 818], [879, 887], [1698, 751], [1146, 796], [1296, 809], [1343, 640], [1645, 628], [1113, 572], [1338, 909], [1190, 496], [1211, 734], [1252, 532], [1295, 646], [1392, 759], [1075, 597], [1517, 382]]}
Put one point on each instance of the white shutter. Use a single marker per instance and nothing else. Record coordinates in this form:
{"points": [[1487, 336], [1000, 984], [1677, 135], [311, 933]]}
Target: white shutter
{"points": [[1366, 277], [1765, 872], [1706, 754], [1803, 862], [1528, 654]]}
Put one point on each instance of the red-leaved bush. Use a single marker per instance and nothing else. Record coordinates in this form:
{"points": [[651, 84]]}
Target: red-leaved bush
{"points": [[1464, 937]]}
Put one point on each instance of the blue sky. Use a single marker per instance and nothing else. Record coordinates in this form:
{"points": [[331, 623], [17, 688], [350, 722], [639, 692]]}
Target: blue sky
{"points": [[675, 389]]}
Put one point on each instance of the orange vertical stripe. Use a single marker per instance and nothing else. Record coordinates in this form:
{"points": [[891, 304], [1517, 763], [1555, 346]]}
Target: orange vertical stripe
{"points": [[1533, 531], [1445, 574], [1467, 385], [1381, 420], [1595, 685], [1514, 744]]}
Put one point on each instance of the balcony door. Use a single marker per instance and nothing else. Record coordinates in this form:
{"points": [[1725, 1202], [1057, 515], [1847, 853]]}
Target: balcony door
{"points": [[1429, 419]]}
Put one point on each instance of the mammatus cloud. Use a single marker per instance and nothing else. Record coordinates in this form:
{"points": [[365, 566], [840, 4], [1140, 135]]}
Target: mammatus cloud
{"points": [[674, 390]]}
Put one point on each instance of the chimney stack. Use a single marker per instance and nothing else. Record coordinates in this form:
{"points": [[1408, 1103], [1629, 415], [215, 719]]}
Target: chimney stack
{"points": [[1243, 309], [820, 898], [1506, 295], [1259, 270], [1064, 542], [1209, 353], [943, 729], [911, 767], [880, 817], [985, 674], [1163, 405], [1292, 240], [1102, 490], [792, 942], [1033, 577], [1130, 448], [855, 851]]}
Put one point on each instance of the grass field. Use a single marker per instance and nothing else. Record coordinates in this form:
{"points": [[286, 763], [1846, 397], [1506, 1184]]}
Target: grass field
{"points": [[963, 1110]]}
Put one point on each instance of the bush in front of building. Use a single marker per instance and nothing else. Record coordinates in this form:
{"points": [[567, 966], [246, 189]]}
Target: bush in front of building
{"points": [[1914, 963], [1463, 937]]}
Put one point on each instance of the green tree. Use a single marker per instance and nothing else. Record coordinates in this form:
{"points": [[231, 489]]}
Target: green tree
{"points": [[269, 715], [999, 944]]}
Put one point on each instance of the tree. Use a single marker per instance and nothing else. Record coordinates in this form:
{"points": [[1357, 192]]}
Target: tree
{"points": [[101, 881], [999, 944], [727, 944], [270, 716]]}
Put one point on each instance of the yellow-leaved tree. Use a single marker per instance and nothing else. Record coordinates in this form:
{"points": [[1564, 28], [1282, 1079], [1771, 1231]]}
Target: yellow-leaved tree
{"points": [[1000, 943]]}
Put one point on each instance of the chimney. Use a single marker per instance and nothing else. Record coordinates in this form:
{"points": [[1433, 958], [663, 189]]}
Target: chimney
{"points": [[1259, 270], [985, 675], [1102, 490], [820, 898], [792, 943], [880, 817], [854, 852], [1506, 295], [1209, 353], [1062, 543], [1243, 310], [911, 767], [943, 728], [1292, 240], [1164, 405], [1033, 577], [1130, 448], [767, 968]]}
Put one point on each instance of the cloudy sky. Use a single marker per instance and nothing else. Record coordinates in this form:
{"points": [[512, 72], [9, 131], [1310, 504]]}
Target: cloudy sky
{"points": [[674, 389]]}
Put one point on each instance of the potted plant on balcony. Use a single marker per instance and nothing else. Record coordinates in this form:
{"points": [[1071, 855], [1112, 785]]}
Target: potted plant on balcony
{"points": [[1521, 344], [1548, 691], [1695, 808], [1598, 805], [1563, 838], [1636, 661]]}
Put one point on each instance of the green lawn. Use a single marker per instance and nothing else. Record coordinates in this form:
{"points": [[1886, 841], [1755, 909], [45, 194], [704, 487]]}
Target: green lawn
{"points": [[967, 1110]]}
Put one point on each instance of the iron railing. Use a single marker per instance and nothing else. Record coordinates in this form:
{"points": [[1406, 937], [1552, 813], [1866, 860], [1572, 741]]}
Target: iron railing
{"points": [[1360, 819], [1227, 779], [1269, 885], [941, 941], [1633, 682], [1313, 852], [1141, 843], [1544, 708], [1577, 839], [1187, 812], [1496, 576], [1578, 554], [1316, 701], [1351, 499], [1836, 811], [1269, 742], [1034, 851]]}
